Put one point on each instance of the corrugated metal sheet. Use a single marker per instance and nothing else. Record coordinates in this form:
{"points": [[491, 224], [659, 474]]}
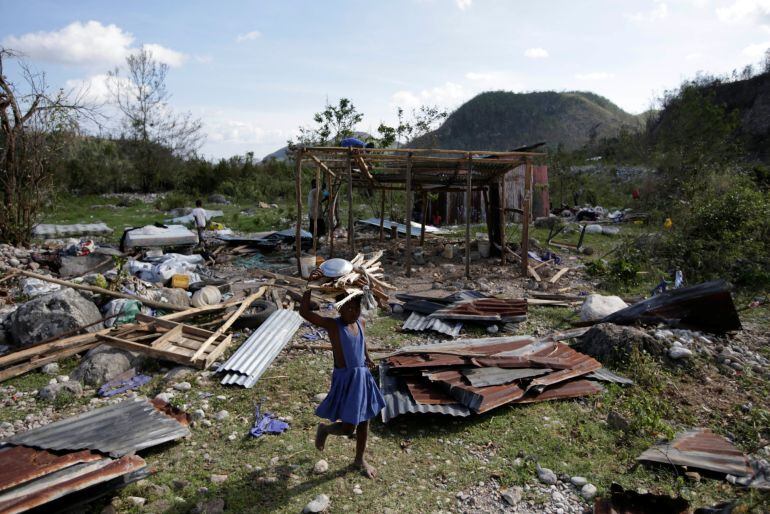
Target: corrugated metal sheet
{"points": [[255, 355], [419, 323], [700, 449], [80, 477], [478, 399], [125, 427], [485, 309], [79, 229], [387, 224], [424, 394], [480, 346], [398, 401], [605, 375], [573, 389], [482, 377], [19, 464]]}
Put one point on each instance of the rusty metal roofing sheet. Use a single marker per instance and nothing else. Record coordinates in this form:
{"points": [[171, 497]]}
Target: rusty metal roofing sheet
{"points": [[251, 360], [475, 346], [118, 429], [429, 360], [398, 401], [484, 309], [425, 394], [69, 480], [700, 448], [19, 464], [572, 389], [605, 375], [489, 376], [419, 323], [478, 399]]}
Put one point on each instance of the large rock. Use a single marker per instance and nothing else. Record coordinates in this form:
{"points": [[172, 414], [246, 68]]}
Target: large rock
{"points": [[614, 343], [104, 363], [53, 314], [174, 296], [597, 306]]}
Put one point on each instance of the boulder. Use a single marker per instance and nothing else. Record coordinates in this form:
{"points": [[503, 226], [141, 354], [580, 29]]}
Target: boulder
{"points": [[104, 363], [52, 391], [614, 343], [594, 229], [53, 314], [597, 306], [219, 199]]}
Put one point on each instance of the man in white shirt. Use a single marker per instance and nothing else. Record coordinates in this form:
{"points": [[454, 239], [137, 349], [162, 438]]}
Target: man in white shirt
{"points": [[199, 217]]}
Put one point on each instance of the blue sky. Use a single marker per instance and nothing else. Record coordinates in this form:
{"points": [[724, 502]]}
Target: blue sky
{"points": [[255, 71]]}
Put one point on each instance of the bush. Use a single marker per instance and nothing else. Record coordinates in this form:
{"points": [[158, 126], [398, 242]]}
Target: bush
{"points": [[173, 200], [724, 232]]}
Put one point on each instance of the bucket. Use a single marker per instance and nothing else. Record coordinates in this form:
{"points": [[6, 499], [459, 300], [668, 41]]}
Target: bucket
{"points": [[484, 247], [307, 265]]}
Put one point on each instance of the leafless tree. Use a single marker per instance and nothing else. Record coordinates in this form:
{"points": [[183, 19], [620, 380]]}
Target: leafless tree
{"points": [[35, 124], [142, 97]]}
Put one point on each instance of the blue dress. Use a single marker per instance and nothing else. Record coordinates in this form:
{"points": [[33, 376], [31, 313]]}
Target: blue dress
{"points": [[354, 396]]}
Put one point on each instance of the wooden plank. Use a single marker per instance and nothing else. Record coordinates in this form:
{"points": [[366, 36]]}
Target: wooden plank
{"points": [[468, 219], [217, 351], [424, 199], [189, 313], [98, 290], [502, 219], [227, 324], [316, 235], [20, 369], [166, 339], [351, 224], [147, 350], [558, 275], [525, 218], [534, 273], [298, 193], [408, 218], [382, 215]]}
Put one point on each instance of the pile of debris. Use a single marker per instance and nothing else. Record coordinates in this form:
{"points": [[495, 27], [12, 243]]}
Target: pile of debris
{"points": [[447, 314], [473, 376], [358, 277]]}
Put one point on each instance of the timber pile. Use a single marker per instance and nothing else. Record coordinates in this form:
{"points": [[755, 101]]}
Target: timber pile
{"points": [[366, 277]]}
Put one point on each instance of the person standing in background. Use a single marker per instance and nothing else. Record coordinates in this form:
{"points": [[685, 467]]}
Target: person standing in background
{"points": [[199, 217]]}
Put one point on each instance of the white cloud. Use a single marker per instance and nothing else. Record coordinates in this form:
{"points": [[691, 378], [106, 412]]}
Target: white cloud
{"points": [[756, 51], [204, 58], [248, 36], [745, 10], [89, 43], [463, 4], [536, 53], [447, 95], [595, 75], [657, 13], [165, 55], [694, 56]]}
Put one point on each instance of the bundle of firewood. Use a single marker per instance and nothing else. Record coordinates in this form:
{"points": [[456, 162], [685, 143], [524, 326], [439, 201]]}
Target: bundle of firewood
{"points": [[365, 279]]}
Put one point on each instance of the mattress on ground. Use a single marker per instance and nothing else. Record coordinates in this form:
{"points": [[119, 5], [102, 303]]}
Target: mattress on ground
{"points": [[152, 236], [78, 229]]}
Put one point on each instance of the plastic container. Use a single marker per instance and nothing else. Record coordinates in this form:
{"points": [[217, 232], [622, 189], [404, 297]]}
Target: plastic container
{"points": [[180, 281], [306, 265], [484, 248]]}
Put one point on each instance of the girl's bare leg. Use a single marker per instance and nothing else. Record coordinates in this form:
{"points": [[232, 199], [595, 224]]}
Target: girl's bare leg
{"points": [[338, 428], [362, 434]]}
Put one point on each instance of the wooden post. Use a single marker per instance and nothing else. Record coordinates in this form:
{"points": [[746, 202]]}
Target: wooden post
{"points": [[382, 215], [408, 217], [502, 220], [316, 235], [351, 234], [298, 193], [468, 219], [331, 208], [525, 218], [424, 199]]}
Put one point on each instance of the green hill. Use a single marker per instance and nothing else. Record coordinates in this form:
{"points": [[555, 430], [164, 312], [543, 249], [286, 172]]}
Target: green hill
{"points": [[501, 120]]}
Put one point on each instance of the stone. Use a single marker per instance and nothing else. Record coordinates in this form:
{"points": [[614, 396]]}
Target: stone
{"points": [[198, 414], [218, 479], [357, 490], [693, 475], [221, 415], [597, 306], [178, 372], [616, 421], [512, 496], [50, 315], [493, 329], [608, 342], [164, 397], [62, 378], [319, 397], [218, 199], [213, 506], [594, 229], [182, 386], [180, 484], [52, 368], [103, 363], [172, 295], [136, 501], [578, 481], [679, 352], [321, 467], [588, 491], [52, 391], [546, 476], [319, 504]]}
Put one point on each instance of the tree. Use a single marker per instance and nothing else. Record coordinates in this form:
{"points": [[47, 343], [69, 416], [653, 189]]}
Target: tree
{"points": [[34, 127], [149, 121], [423, 121], [334, 123]]}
